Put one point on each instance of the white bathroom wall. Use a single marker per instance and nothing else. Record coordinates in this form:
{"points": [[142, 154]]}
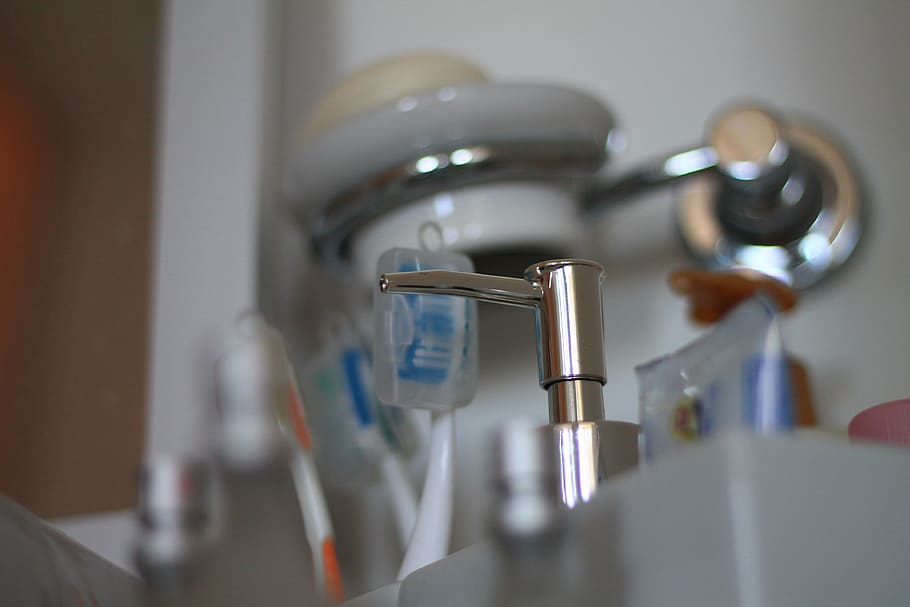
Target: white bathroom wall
{"points": [[665, 68], [215, 143]]}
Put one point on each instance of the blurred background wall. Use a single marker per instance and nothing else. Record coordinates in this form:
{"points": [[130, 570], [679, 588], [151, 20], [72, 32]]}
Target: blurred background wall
{"points": [[237, 81]]}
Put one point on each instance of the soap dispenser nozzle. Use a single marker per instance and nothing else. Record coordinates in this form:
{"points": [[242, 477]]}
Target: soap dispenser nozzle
{"points": [[566, 297]]}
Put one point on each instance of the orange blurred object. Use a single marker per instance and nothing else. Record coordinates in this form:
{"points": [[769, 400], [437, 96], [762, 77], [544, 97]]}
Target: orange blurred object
{"points": [[21, 171], [712, 295], [333, 588]]}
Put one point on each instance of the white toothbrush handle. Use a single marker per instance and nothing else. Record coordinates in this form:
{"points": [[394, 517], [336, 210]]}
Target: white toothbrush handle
{"points": [[430, 540]]}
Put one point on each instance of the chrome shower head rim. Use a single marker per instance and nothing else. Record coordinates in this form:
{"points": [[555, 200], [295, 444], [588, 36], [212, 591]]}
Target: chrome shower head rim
{"points": [[802, 262]]}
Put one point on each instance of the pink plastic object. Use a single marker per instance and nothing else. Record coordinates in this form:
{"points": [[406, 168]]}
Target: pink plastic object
{"points": [[885, 423]]}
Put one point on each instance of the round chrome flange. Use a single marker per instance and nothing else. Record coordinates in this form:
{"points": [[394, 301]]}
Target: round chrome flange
{"points": [[825, 245]]}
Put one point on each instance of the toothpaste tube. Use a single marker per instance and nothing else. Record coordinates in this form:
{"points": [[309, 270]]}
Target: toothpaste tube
{"points": [[736, 376]]}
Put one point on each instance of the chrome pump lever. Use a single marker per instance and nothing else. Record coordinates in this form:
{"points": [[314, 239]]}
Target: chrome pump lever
{"points": [[566, 297], [770, 196]]}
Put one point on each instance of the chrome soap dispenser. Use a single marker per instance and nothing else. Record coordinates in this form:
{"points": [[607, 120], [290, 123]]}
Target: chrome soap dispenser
{"points": [[566, 297]]}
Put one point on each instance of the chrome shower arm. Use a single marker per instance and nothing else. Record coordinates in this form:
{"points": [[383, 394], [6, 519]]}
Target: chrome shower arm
{"points": [[618, 191], [771, 196]]}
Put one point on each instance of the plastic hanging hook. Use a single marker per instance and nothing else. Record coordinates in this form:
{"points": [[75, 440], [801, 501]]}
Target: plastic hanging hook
{"points": [[430, 237]]}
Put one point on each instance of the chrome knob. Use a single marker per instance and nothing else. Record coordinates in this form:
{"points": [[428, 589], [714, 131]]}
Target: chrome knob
{"points": [[749, 148], [769, 193], [773, 196]]}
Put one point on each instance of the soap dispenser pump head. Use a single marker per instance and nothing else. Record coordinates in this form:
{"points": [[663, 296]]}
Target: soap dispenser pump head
{"points": [[566, 297]]}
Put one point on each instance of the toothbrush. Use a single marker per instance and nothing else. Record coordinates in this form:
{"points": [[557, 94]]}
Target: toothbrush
{"points": [[430, 540], [435, 362], [356, 371], [425, 358], [317, 522]]}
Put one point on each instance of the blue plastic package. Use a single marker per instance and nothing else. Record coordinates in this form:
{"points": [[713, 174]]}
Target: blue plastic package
{"points": [[736, 376]]}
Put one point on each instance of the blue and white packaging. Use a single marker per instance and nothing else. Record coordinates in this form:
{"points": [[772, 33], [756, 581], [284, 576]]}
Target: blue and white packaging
{"points": [[736, 376], [425, 346], [350, 429]]}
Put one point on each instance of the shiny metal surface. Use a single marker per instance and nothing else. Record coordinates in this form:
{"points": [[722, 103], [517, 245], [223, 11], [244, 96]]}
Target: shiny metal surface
{"points": [[589, 452], [749, 144], [774, 197], [580, 462], [175, 511], [626, 188], [174, 490], [496, 289], [566, 296], [575, 400], [570, 320], [801, 261]]}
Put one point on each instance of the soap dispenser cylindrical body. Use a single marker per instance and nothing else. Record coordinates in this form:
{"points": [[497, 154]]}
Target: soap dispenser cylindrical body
{"points": [[569, 322]]}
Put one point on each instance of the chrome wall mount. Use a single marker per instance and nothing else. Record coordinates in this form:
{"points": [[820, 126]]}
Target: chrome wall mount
{"points": [[780, 198], [566, 297], [762, 194]]}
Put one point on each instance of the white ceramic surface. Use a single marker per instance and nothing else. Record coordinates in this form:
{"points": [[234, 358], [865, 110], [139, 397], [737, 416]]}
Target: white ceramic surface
{"points": [[443, 119], [473, 219]]}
